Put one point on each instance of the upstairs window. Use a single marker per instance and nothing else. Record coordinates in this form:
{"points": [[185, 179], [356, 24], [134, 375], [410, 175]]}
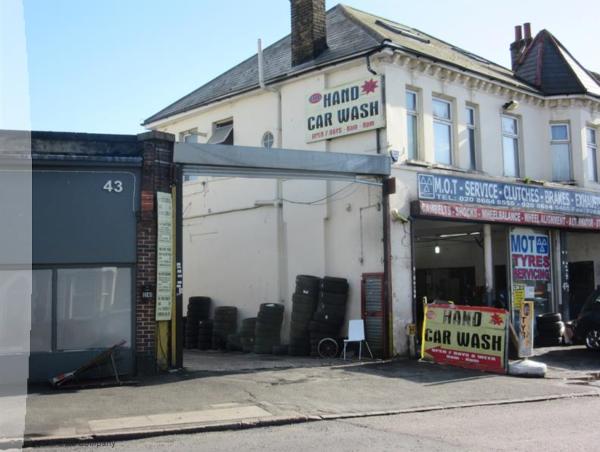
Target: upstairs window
{"points": [[222, 132], [471, 137], [510, 145], [560, 146], [412, 125], [189, 136], [442, 130], [592, 154]]}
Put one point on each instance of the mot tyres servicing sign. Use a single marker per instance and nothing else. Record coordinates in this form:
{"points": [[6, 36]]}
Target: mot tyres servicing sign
{"points": [[343, 110], [530, 255], [465, 336]]}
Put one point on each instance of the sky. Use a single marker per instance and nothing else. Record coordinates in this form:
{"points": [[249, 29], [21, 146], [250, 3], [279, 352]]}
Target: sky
{"points": [[103, 66]]}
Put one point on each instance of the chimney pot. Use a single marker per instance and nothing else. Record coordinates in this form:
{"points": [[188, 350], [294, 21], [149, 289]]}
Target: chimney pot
{"points": [[518, 33], [527, 29]]}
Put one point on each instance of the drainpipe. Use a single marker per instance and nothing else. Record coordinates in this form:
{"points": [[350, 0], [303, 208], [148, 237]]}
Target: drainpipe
{"points": [[488, 264], [261, 82], [281, 245]]}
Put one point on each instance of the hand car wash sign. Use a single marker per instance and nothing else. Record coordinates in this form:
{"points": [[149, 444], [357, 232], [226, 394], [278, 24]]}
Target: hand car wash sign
{"points": [[465, 336], [352, 108]]}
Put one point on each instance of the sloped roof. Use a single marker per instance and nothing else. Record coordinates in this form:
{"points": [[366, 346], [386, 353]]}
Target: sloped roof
{"points": [[350, 34], [344, 38], [550, 67]]}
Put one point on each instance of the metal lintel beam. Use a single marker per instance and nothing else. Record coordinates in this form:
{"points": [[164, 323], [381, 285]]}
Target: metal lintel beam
{"points": [[245, 159]]}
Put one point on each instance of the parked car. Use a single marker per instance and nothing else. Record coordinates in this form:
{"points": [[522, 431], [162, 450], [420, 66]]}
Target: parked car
{"points": [[587, 325]]}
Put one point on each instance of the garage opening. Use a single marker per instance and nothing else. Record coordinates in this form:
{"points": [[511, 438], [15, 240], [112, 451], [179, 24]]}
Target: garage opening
{"points": [[450, 264], [274, 246]]}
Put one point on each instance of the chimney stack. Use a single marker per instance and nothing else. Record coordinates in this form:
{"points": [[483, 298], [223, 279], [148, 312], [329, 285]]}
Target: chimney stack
{"points": [[309, 36], [522, 40]]}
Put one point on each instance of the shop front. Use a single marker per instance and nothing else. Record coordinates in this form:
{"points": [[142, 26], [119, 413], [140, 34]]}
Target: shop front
{"points": [[484, 242]]}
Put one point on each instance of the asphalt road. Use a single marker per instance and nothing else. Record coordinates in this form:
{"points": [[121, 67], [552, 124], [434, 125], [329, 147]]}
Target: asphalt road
{"points": [[559, 425]]}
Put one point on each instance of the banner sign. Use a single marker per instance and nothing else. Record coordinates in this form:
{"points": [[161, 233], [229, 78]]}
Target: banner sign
{"points": [[439, 187], [164, 256], [343, 110], [465, 336], [530, 255], [526, 330], [496, 215]]}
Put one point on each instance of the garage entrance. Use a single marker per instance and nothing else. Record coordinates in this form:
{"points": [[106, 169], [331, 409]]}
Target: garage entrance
{"points": [[255, 219], [450, 264]]}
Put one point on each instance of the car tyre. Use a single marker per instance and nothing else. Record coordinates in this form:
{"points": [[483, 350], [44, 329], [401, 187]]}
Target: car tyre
{"points": [[592, 339]]}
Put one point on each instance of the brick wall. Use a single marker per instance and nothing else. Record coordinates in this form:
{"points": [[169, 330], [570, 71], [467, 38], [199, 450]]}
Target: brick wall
{"points": [[309, 37], [157, 175]]}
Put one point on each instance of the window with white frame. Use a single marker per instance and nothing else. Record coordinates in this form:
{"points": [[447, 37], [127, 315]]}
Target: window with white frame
{"points": [[472, 136], [442, 131], [510, 145], [560, 145], [592, 154], [412, 125]]}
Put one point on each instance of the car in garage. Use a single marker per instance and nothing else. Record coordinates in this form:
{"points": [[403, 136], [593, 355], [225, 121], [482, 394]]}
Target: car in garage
{"points": [[587, 325]]}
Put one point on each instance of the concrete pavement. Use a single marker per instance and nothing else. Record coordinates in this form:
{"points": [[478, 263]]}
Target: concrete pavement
{"points": [[559, 425], [225, 391]]}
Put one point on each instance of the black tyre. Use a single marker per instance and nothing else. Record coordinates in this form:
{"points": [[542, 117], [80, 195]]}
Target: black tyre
{"points": [[334, 285], [301, 318], [548, 341], [303, 302], [551, 329], [328, 348], [551, 317], [333, 299], [302, 299], [592, 339], [308, 285], [280, 349]]}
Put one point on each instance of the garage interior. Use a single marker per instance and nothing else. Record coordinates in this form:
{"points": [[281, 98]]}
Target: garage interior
{"points": [[247, 236]]}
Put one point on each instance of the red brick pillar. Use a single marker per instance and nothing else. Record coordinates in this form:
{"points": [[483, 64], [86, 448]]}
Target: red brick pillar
{"points": [[157, 175]]}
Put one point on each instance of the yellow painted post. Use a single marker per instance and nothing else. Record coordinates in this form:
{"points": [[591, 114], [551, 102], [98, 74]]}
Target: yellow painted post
{"points": [[174, 283], [162, 344]]}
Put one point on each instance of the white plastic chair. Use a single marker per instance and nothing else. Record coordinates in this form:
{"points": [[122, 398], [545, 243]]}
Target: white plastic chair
{"points": [[356, 333]]}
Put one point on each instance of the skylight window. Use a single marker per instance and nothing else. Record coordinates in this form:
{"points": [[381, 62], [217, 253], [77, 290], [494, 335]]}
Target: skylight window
{"points": [[402, 31]]}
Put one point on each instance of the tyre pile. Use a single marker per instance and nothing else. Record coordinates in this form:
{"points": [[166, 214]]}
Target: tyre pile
{"points": [[549, 329], [198, 310], [205, 328], [267, 332], [224, 324], [304, 303], [247, 334], [330, 313]]}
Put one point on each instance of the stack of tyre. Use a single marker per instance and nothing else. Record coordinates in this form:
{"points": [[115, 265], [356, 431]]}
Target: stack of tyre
{"points": [[247, 334], [304, 303], [224, 324], [198, 310], [549, 330], [267, 333], [330, 313], [205, 328]]}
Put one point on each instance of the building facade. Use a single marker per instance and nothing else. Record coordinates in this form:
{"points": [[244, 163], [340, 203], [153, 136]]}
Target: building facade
{"points": [[92, 251], [484, 156]]}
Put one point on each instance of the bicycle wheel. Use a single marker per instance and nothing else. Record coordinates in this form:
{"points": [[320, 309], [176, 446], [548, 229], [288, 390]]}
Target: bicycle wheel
{"points": [[328, 348]]}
